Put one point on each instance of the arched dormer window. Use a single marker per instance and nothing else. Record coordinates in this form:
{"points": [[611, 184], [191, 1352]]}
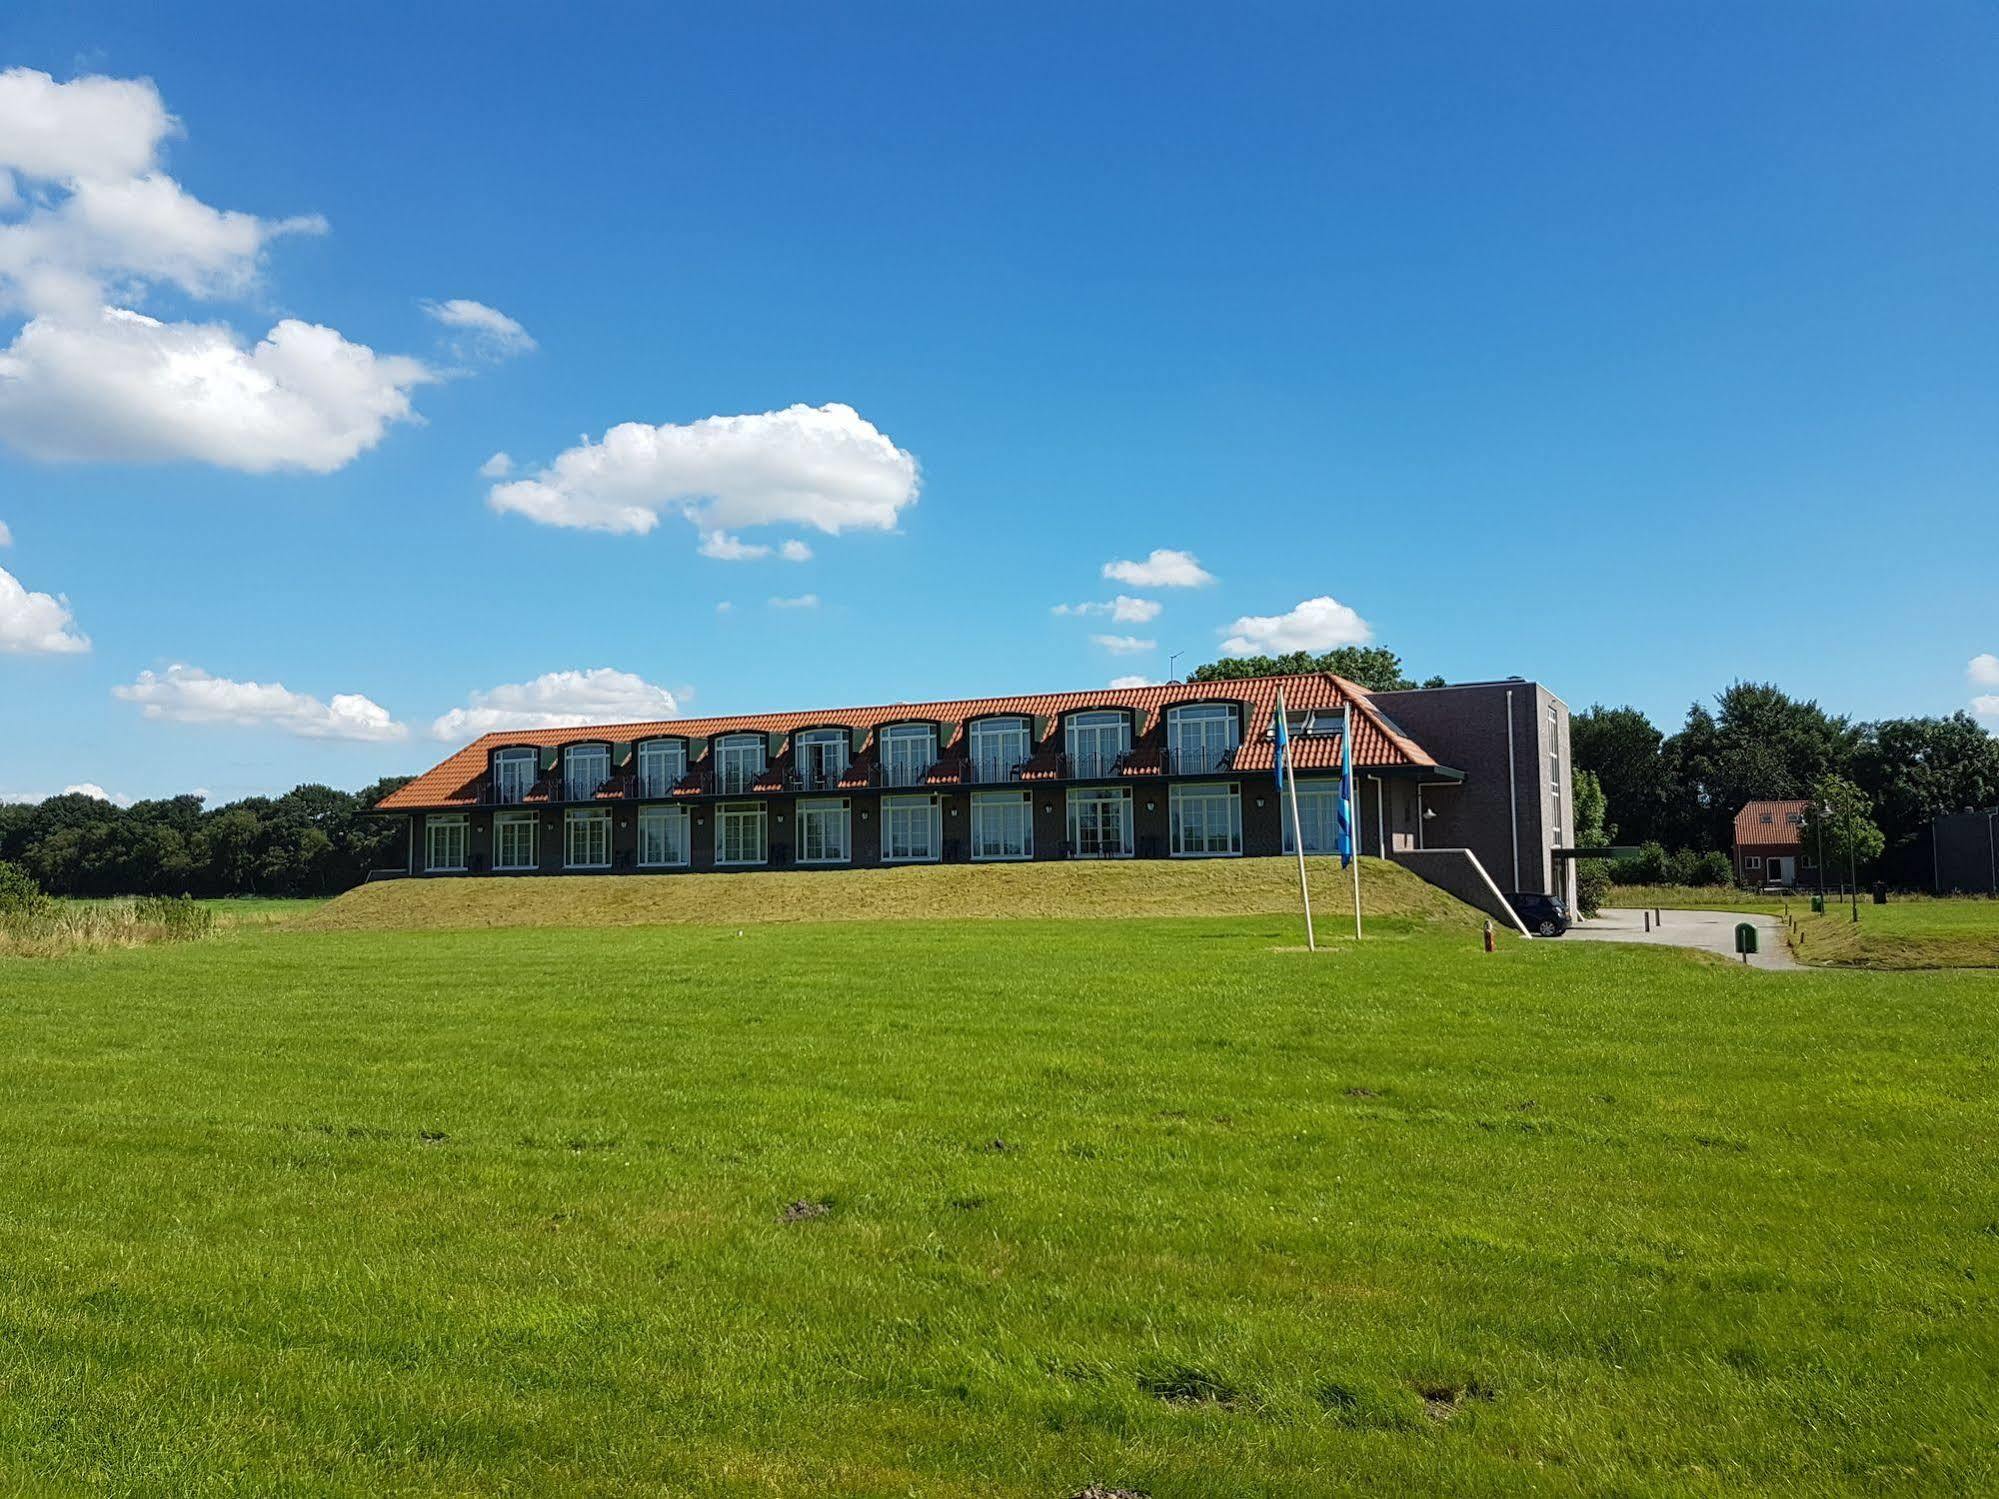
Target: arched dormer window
{"points": [[514, 772], [908, 751], [662, 765], [1000, 746], [1097, 739], [739, 761], [585, 768], [1202, 737]]}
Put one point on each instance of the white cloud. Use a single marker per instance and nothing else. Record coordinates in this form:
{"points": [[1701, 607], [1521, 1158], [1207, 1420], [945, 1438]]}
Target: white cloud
{"points": [[821, 466], [1163, 568], [1133, 682], [1983, 670], [89, 378], [97, 793], [127, 387], [724, 607], [187, 694], [1124, 645], [559, 700], [726, 548], [795, 551], [92, 127], [6, 536], [36, 624], [488, 333], [1986, 706], [1124, 609], [1316, 625], [496, 467], [82, 788], [802, 601]]}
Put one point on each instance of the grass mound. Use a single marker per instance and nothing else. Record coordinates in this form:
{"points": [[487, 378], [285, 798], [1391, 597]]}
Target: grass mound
{"points": [[1153, 887]]}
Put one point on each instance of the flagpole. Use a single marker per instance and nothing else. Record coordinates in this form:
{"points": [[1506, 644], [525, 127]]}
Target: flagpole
{"points": [[1353, 811], [1289, 781]]}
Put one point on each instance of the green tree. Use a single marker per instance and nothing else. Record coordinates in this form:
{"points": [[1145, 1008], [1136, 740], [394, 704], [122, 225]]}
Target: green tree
{"points": [[1374, 667], [1758, 742], [1627, 755], [1840, 820], [1592, 830], [1915, 769]]}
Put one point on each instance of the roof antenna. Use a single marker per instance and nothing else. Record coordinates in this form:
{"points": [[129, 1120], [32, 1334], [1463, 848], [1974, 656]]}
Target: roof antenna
{"points": [[1174, 656]]}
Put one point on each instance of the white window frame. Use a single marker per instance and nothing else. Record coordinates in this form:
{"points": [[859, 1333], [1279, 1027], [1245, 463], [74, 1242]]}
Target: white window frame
{"points": [[838, 740], [1094, 723], [838, 813], [1180, 801], [731, 748], [1076, 800], [1752, 861], [529, 820], [446, 823], [986, 802], [1318, 816], [726, 815], [655, 778], [895, 808], [571, 753], [504, 760], [996, 762], [1202, 761], [674, 818], [898, 769], [585, 817]]}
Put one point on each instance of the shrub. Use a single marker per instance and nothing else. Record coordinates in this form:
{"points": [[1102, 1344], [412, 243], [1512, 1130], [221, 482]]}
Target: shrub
{"points": [[177, 918], [19, 894], [1712, 868]]}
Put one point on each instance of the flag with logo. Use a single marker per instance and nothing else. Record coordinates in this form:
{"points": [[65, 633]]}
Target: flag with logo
{"points": [[1343, 839]]}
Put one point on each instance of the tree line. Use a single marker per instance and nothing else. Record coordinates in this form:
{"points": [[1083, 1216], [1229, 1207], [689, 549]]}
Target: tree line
{"points": [[313, 840], [1681, 791]]}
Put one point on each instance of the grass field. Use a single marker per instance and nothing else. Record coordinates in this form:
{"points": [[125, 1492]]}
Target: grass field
{"points": [[991, 1208], [1911, 931]]}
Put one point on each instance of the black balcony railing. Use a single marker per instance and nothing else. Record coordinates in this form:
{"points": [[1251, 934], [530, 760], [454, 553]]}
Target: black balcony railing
{"points": [[1196, 762]]}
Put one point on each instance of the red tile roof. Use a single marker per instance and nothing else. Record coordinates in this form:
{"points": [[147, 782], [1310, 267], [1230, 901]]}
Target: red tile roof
{"points": [[1378, 743], [1751, 831]]}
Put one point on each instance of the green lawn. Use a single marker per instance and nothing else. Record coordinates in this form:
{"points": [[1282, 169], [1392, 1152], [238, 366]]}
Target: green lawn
{"points": [[1152, 1204], [1910, 931]]}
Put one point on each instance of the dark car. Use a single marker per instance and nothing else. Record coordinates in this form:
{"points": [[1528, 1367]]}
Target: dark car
{"points": [[1543, 915]]}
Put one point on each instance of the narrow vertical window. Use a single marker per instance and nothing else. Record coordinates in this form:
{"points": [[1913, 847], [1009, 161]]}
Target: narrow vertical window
{"points": [[514, 840], [586, 839], [445, 838]]}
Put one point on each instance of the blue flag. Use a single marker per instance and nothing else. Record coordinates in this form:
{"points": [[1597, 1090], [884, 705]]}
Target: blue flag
{"points": [[1283, 750], [1343, 840]]}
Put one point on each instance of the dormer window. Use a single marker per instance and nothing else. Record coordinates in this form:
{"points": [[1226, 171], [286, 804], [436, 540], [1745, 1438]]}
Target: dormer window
{"points": [[1765, 818], [999, 747], [1202, 737], [662, 766], [909, 750], [513, 775], [1096, 741], [820, 757], [585, 768], [739, 761]]}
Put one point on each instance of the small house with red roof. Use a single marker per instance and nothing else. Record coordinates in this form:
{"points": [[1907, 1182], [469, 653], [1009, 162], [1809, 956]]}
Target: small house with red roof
{"points": [[1769, 848]]}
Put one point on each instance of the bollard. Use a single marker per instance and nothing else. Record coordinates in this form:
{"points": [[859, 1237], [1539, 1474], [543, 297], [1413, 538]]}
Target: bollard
{"points": [[1658, 918], [1488, 934], [1648, 921]]}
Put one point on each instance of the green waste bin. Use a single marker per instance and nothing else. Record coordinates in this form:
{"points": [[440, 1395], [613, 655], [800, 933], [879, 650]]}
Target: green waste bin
{"points": [[1818, 904], [1745, 939]]}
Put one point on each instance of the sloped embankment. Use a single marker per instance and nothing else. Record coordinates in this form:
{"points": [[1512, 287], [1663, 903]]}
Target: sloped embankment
{"points": [[1218, 887]]}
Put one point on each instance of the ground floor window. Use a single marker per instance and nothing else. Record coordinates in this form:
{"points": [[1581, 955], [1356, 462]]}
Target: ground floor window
{"points": [[1100, 823], [823, 829], [586, 838], [1002, 825], [1318, 818], [739, 833], [662, 837], [912, 829], [1207, 820], [445, 840], [514, 840]]}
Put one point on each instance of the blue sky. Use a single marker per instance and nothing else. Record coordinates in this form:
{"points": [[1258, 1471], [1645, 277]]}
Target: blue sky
{"points": [[1633, 349]]}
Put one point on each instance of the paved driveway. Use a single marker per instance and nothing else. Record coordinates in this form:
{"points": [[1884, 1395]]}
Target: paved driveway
{"points": [[1713, 931]]}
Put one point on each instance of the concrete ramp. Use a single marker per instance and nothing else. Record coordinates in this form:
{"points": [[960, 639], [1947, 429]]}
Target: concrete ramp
{"points": [[1456, 871]]}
